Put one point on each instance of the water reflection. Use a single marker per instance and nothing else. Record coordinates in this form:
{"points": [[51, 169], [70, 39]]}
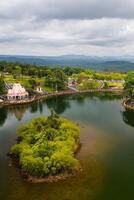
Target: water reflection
{"points": [[3, 116], [107, 96], [80, 98], [18, 111], [34, 107], [128, 117], [106, 155], [59, 104]]}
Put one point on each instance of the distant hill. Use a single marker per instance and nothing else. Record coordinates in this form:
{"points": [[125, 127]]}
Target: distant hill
{"points": [[94, 62]]}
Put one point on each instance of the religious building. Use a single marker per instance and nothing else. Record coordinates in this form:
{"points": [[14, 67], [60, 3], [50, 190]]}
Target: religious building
{"points": [[17, 92]]}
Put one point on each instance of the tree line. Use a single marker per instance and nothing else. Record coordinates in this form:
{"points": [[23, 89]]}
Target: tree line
{"points": [[16, 68], [57, 77]]}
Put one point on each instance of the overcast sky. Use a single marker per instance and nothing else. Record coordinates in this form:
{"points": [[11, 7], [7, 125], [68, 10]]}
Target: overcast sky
{"points": [[57, 27]]}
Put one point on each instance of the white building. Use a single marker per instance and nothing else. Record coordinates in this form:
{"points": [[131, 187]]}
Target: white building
{"points": [[39, 89], [17, 92]]}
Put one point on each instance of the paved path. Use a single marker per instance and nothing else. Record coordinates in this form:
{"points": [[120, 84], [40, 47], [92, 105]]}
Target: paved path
{"points": [[73, 88]]}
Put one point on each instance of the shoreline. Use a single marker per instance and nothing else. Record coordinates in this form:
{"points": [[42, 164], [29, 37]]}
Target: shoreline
{"points": [[63, 175], [52, 179], [126, 105], [61, 93], [48, 179]]}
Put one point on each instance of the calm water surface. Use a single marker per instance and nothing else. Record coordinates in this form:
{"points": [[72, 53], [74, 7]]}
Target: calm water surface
{"points": [[106, 155]]}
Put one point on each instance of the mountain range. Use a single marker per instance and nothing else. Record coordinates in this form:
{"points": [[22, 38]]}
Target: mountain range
{"points": [[113, 63]]}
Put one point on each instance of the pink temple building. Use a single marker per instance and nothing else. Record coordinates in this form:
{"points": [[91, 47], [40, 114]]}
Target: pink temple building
{"points": [[17, 92]]}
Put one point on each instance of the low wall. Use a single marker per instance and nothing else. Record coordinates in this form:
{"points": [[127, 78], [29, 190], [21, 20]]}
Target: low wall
{"points": [[127, 104], [44, 96]]}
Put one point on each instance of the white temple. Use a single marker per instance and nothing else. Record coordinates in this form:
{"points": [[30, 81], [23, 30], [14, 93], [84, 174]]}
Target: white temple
{"points": [[17, 92]]}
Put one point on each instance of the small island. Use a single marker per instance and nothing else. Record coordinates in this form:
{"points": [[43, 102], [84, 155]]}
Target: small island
{"points": [[46, 147]]}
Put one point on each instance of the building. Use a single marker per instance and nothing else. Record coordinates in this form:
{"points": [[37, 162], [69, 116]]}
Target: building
{"points": [[17, 92], [39, 90], [71, 82]]}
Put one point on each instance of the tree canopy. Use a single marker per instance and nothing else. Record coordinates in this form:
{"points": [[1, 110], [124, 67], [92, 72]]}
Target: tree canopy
{"points": [[129, 83], [2, 85], [47, 146]]}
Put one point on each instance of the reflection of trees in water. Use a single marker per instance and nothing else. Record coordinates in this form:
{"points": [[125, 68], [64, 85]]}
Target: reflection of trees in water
{"points": [[107, 95], [34, 107], [128, 117], [3, 116], [104, 96], [40, 106], [59, 104], [18, 111], [79, 98]]}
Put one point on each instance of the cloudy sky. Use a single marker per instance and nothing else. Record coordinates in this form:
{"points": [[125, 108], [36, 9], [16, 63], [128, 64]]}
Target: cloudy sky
{"points": [[57, 27]]}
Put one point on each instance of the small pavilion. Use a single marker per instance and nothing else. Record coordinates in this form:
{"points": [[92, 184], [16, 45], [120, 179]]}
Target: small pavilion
{"points": [[39, 89], [17, 92]]}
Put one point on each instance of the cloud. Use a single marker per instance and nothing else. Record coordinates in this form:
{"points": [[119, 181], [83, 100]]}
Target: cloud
{"points": [[67, 9], [46, 27]]}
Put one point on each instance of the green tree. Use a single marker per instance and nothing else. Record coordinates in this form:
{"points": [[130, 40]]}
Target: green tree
{"points": [[2, 85], [129, 83], [17, 71], [56, 79], [47, 146], [32, 83], [60, 78]]}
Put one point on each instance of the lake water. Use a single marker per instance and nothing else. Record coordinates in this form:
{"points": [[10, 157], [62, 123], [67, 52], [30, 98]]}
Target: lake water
{"points": [[106, 154]]}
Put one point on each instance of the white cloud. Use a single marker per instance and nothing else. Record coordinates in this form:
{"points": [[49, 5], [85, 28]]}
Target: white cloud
{"points": [[67, 9], [46, 27]]}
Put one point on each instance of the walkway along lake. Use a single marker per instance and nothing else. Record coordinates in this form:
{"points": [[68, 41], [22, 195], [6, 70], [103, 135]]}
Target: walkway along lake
{"points": [[106, 154], [60, 93]]}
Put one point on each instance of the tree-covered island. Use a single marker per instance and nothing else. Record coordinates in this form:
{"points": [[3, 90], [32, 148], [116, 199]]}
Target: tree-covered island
{"points": [[46, 148]]}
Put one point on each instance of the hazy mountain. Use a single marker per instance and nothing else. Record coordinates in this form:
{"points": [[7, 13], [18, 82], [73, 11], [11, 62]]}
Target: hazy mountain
{"points": [[94, 62]]}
